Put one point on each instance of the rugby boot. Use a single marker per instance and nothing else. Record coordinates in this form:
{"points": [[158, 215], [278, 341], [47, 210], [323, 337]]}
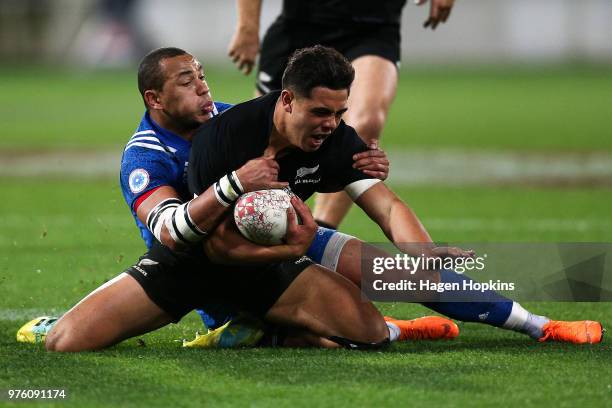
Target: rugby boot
{"points": [[238, 332], [579, 332], [426, 328], [35, 331]]}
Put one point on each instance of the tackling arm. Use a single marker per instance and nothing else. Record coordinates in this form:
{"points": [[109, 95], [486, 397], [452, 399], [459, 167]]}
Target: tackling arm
{"points": [[176, 224]]}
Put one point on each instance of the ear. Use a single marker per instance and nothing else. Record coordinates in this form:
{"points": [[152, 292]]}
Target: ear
{"points": [[152, 99], [287, 98]]}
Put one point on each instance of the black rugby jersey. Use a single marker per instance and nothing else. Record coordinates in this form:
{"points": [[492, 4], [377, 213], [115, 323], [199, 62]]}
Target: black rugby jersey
{"points": [[344, 11], [226, 142]]}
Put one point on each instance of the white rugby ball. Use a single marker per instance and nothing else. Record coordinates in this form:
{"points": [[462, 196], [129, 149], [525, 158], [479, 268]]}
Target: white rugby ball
{"points": [[261, 216]]}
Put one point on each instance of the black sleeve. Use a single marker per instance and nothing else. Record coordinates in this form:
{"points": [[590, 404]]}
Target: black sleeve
{"points": [[210, 157], [342, 172]]}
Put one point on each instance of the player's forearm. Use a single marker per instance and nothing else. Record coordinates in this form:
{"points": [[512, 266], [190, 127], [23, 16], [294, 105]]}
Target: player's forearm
{"points": [[397, 221], [209, 208], [247, 254], [206, 211], [227, 246], [406, 231], [177, 224], [249, 12]]}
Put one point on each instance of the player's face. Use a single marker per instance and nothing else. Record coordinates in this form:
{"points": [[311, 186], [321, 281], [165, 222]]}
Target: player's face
{"points": [[185, 97], [313, 119]]}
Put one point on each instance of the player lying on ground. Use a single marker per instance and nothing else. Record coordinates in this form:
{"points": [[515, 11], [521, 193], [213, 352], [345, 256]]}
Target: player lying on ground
{"points": [[552, 330], [364, 31], [301, 128], [178, 100]]}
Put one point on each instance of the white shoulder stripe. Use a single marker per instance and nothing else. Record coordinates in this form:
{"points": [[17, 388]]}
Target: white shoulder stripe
{"points": [[141, 144], [144, 132], [146, 146], [150, 138]]}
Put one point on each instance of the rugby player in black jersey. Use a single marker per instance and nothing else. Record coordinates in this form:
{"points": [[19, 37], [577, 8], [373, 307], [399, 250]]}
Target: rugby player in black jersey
{"points": [[301, 134], [366, 32], [300, 131]]}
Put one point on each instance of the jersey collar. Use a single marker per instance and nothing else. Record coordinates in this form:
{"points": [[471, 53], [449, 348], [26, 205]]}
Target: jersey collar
{"points": [[165, 135]]}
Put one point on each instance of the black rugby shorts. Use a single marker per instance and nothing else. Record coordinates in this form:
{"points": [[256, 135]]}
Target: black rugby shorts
{"points": [[179, 282], [353, 40]]}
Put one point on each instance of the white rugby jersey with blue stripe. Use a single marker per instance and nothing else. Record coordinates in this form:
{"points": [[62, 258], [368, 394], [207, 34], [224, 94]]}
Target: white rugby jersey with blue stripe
{"points": [[155, 157]]}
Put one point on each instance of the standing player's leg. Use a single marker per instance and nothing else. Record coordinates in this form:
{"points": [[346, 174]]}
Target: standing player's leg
{"points": [[371, 96], [115, 311]]}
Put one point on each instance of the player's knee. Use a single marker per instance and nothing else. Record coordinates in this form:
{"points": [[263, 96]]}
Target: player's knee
{"points": [[378, 331], [370, 125], [63, 339], [55, 340], [368, 326]]}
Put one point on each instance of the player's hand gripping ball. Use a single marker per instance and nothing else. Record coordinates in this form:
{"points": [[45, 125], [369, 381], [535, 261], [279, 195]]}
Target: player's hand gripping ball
{"points": [[261, 216]]}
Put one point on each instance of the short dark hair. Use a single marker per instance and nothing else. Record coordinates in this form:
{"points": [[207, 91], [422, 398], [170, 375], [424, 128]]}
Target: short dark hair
{"points": [[315, 66], [150, 73]]}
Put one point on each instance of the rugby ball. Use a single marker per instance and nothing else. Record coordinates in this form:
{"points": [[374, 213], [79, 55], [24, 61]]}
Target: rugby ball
{"points": [[261, 216]]}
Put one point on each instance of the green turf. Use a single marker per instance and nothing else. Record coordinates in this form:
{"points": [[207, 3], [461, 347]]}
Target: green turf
{"points": [[544, 108], [61, 239]]}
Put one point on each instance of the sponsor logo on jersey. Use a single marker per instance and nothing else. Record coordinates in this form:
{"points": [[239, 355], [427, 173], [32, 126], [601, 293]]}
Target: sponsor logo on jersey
{"points": [[139, 269], [147, 262], [138, 180], [304, 171]]}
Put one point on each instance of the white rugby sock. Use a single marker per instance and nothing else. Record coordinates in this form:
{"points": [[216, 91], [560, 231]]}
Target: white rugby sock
{"points": [[394, 331], [522, 321]]}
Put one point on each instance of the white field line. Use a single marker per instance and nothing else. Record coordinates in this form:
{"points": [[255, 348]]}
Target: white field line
{"points": [[444, 167], [75, 165], [27, 314], [61, 221], [531, 225], [456, 167]]}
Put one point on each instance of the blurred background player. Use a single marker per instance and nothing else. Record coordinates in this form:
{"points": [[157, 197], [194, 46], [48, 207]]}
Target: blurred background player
{"points": [[364, 31]]}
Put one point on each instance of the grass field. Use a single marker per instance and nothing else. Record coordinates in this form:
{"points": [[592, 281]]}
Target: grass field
{"points": [[545, 108], [62, 237]]}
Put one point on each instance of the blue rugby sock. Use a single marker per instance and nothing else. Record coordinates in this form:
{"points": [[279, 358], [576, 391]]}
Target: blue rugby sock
{"points": [[486, 306]]}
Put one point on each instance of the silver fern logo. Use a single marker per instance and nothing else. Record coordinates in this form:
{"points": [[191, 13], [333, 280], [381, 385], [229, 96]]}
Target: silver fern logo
{"points": [[304, 171]]}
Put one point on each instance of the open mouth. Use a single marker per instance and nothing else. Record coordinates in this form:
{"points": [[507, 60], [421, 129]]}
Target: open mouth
{"points": [[316, 141], [208, 107]]}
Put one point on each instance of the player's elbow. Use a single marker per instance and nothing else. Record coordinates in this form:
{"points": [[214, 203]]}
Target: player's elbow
{"points": [[170, 244], [168, 241]]}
